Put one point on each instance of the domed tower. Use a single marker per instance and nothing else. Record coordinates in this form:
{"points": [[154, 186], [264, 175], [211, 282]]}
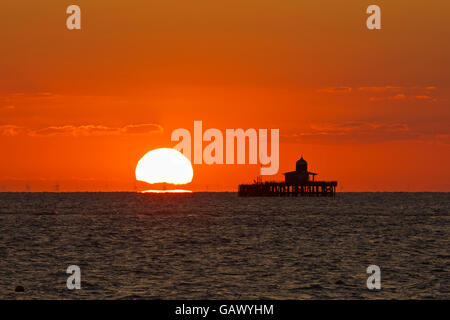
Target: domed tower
{"points": [[301, 165], [301, 175]]}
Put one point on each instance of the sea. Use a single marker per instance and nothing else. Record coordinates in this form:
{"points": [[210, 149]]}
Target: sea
{"points": [[219, 246]]}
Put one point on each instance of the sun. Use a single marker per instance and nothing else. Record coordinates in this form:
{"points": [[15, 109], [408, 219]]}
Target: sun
{"points": [[164, 165]]}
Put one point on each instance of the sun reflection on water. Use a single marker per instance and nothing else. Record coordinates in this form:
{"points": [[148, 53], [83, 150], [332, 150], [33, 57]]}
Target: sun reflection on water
{"points": [[166, 191]]}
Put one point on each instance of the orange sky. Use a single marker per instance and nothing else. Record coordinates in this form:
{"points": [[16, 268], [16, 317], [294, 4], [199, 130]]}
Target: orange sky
{"points": [[370, 109]]}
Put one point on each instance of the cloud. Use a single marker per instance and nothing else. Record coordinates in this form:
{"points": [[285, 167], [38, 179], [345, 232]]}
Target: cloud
{"points": [[396, 88], [399, 96], [388, 92], [423, 97], [352, 127], [31, 95], [384, 93], [141, 128], [443, 138], [380, 89], [402, 96], [97, 130], [25, 97], [335, 90], [83, 130], [10, 130], [352, 133], [360, 132]]}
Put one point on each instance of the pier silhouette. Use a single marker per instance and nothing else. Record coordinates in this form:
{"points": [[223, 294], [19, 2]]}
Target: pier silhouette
{"points": [[296, 183]]}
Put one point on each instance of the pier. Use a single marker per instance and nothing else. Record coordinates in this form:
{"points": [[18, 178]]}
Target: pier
{"points": [[281, 189], [297, 183]]}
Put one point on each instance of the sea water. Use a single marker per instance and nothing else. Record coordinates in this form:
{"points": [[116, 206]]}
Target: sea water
{"points": [[220, 246]]}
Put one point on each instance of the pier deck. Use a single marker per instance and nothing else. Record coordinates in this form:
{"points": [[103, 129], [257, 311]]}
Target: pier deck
{"points": [[281, 189]]}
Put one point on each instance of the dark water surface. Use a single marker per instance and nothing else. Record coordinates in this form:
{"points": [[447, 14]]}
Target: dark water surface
{"points": [[219, 246]]}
